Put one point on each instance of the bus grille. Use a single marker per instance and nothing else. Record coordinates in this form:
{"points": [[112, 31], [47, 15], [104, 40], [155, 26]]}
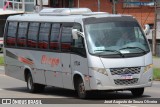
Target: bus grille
{"points": [[121, 71], [125, 82]]}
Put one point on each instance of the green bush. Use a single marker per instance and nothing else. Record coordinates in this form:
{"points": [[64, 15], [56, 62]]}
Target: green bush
{"points": [[1, 60], [156, 73]]}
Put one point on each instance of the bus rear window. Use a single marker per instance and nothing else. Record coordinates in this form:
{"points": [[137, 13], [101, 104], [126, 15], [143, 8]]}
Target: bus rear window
{"points": [[11, 33]]}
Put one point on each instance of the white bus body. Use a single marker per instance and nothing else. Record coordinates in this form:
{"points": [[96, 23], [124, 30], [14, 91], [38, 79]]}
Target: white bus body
{"points": [[40, 50]]}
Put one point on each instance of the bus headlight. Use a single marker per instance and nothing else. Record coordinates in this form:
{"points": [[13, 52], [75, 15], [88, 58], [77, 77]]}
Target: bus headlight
{"points": [[148, 67], [100, 70]]}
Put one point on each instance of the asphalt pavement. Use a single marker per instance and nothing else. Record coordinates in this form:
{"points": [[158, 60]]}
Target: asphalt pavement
{"points": [[13, 88]]}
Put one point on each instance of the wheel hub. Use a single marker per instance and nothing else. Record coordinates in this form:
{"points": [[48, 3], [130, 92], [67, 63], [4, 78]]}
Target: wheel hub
{"points": [[82, 88]]}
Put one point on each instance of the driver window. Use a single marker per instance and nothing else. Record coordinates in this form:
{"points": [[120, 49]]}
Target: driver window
{"points": [[78, 46], [78, 43], [139, 35]]}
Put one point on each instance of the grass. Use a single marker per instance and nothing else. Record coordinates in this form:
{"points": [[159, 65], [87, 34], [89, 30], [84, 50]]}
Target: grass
{"points": [[156, 57], [1, 60], [156, 73]]}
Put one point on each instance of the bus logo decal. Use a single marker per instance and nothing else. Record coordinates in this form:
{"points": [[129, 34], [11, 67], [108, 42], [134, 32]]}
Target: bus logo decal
{"points": [[19, 58], [49, 60], [26, 60]]}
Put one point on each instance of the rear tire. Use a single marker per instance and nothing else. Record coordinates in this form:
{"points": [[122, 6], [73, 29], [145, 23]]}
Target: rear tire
{"points": [[137, 92], [82, 93], [33, 87], [1, 50]]}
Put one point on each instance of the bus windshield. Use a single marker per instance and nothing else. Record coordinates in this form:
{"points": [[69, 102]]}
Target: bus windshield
{"points": [[116, 38]]}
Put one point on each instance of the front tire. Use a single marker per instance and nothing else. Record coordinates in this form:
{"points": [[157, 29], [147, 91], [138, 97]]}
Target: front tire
{"points": [[137, 92], [82, 93], [33, 87]]}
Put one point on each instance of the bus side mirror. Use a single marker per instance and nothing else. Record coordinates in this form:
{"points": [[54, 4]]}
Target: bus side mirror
{"points": [[147, 29], [74, 33]]}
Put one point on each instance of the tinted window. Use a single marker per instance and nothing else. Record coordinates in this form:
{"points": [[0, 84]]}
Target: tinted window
{"points": [[32, 34], [54, 39], [11, 34], [78, 46], [66, 38], [2, 24], [44, 35], [125, 37], [22, 32]]}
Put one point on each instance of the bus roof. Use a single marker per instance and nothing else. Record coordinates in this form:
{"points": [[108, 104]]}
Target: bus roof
{"points": [[48, 17]]}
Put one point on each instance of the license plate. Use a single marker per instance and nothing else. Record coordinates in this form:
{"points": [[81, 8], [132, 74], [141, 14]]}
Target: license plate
{"points": [[126, 77]]}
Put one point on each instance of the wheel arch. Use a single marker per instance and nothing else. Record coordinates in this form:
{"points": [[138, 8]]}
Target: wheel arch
{"points": [[27, 70], [76, 77]]}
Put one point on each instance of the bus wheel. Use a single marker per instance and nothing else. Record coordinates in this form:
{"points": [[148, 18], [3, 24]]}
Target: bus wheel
{"points": [[82, 93], [137, 92], [33, 87]]}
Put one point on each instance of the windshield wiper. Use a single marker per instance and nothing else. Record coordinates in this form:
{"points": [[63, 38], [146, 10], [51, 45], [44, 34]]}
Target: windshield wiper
{"points": [[134, 48], [111, 51]]}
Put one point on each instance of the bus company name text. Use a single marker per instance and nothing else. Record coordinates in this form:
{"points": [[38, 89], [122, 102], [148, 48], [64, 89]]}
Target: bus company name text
{"points": [[50, 61]]}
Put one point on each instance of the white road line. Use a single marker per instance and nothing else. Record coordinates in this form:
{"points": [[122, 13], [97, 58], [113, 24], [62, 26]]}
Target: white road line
{"points": [[127, 105]]}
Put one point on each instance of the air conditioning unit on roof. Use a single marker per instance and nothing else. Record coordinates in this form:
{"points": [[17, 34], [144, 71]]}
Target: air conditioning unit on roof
{"points": [[64, 11]]}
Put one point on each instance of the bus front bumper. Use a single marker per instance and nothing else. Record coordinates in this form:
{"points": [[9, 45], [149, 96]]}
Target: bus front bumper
{"points": [[123, 87]]}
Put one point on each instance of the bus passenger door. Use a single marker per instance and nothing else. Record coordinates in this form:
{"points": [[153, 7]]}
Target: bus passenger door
{"points": [[66, 71], [79, 58]]}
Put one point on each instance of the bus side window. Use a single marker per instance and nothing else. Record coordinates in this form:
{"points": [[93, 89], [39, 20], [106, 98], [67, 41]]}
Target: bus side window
{"points": [[22, 33], [32, 35], [54, 38], [44, 35], [66, 39], [78, 46], [11, 33]]}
